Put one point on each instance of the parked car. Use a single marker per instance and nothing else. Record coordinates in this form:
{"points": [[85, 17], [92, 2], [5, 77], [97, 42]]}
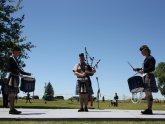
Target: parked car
{"points": [[74, 98], [59, 97], [35, 97]]}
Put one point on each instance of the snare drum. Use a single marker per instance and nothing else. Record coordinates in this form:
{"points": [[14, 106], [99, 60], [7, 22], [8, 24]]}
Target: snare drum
{"points": [[135, 84], [27, 84]]}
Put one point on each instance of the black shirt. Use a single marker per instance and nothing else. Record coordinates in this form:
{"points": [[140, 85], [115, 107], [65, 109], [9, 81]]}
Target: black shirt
{"points": [[149, 64], [13, 67]]}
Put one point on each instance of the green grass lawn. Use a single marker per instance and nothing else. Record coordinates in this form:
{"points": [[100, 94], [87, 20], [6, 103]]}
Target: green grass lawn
{"points": [[67, 104]]}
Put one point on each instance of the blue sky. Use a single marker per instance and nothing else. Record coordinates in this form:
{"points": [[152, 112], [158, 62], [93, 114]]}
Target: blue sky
{"points": [[112, 30]]}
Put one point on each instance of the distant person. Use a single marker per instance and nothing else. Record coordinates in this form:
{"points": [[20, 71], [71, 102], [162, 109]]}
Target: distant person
{"points": [[113, 103], [83, 86], [116, 98], [44, 98], [13, 80], [4, 93], [148, 77], [103, 99], [28, 98], [71, 99]]}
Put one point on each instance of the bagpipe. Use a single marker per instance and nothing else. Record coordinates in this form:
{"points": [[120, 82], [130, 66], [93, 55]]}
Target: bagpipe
{"points": [[90, 62], [90, 67]]}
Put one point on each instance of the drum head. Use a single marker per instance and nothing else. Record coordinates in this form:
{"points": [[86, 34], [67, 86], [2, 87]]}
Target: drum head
{"points": [[137, 97], [29, 79]]}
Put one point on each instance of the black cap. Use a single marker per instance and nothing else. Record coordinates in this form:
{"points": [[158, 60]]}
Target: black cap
{"points": [[144, 47], [81, 55], [16, 48]]}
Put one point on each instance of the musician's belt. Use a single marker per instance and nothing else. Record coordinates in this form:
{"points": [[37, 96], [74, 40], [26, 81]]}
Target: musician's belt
{"points": [[147, 74], [82, 79], [13, 74]]}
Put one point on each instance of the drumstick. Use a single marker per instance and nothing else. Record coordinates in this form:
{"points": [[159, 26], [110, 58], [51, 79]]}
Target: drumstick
{"points": [[130, 65], [136, 74]]}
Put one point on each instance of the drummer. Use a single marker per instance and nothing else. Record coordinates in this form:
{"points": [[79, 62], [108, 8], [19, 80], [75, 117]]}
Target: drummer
{"points": [[13, 80], [148, 77]]}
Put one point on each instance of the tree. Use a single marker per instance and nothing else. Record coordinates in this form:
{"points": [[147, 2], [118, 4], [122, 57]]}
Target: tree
{"points": [[10, 33], [49, 92], [160, 75]]}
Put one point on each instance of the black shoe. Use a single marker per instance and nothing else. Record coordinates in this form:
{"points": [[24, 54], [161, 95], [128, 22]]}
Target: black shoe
{"points": [[18, 111], [81, 110], [147, 112], [15, 112], [86, 109]]}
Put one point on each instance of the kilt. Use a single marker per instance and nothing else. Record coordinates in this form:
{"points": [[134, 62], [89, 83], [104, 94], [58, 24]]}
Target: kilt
{"points": [[13, 84], [80, 85], [14, 90], [150, 83]]}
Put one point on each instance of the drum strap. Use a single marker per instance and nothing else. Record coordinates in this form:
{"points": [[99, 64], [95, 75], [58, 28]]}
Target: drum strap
{"points": [[81, 67], [147, 74], [15, 59]]}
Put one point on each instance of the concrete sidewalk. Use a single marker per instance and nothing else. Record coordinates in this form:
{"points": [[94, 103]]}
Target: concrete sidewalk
{"points": [[72, 114]]}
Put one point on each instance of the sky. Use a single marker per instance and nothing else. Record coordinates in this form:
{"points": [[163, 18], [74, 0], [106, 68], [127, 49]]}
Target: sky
{"points": [[111, 30]]}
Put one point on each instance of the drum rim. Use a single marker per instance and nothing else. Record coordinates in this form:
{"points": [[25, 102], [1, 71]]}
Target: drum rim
{"points": [[137, 90]]}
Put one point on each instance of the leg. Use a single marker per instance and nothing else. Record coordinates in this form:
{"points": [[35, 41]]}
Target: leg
{"points": [[3, 100], [115, 103], [11, 100], [11, 104], [149, 103], [6, 101], [148, 94], [81, 102], [149, 100], [86, 98], [45, 102]]}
